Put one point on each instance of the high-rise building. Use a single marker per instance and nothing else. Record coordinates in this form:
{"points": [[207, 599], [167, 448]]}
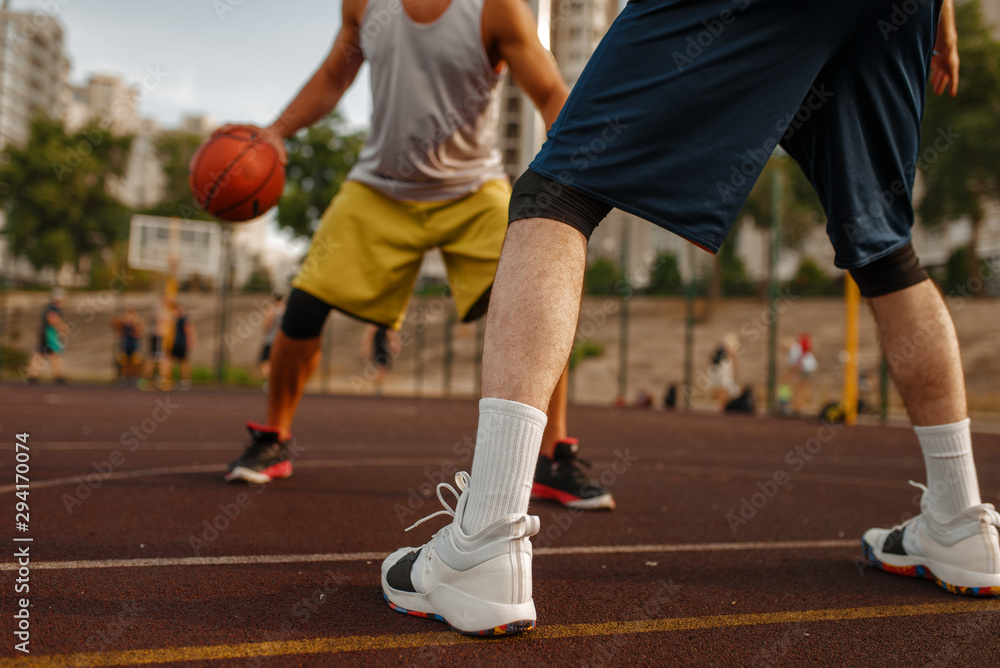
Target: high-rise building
{"points": [[106, 100], [33, 72], [198, 124], [571, 29]]}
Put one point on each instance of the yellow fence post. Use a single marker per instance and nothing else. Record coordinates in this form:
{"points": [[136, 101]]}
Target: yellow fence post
{"points": [[852, 302]]}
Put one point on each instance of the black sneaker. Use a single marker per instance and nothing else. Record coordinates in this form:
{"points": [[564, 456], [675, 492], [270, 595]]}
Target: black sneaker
{"points": [[265, 458], [562, 479]]}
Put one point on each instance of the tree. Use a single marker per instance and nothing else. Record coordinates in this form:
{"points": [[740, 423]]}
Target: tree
{"points": [[960, 142], [665, 277], [603, 277], [56, 192], [175, 148], [319, 159], [801, 210], [811, 281]]}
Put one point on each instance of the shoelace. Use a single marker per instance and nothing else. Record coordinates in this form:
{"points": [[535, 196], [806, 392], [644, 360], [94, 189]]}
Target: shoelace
{"points": [[993, 517], [462, 480], [257, 447], [574, 467]]}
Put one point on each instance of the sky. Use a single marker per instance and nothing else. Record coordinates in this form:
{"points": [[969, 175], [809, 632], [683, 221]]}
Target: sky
{"points": [[234, 60]]}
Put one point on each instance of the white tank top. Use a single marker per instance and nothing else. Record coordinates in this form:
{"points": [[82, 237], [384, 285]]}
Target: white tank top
{"points": [[435, 104]]}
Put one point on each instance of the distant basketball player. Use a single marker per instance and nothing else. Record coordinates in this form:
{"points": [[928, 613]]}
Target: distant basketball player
{"points": [[379, 346], [429, 176], [52, 337]]}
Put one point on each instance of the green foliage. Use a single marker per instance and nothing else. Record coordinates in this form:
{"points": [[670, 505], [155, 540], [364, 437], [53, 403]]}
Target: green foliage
{"points": [[431, 287], [56, 192], [960, 143], [203, 375], [603, 277], [665, 277], [260, 281], [12, 359], [811, 281], [319, 159], [107, 274], [734, 279], [956, 272], [583, 350], [735, 282], [801, 210], [175, 149]]}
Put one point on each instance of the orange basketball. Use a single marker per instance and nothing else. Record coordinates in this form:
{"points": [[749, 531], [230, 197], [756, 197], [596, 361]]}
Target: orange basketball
{"points": [[236, 175]]}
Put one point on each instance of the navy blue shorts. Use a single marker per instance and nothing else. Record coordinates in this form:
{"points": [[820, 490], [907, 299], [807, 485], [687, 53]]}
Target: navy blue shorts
{"points": [[683, 102]]}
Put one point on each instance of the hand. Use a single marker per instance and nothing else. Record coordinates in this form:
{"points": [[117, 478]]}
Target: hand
{"points": [[944, 63], [267, 134]]}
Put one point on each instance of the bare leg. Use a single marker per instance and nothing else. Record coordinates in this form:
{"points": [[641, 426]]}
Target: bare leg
{"points": [[555, 428], [922, 350], [293, 361], [57, 367], [533, 311], [35, 366]]}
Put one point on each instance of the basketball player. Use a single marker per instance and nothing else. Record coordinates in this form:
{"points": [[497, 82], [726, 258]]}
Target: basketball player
{"points": [[428, 176], [689, 100]]}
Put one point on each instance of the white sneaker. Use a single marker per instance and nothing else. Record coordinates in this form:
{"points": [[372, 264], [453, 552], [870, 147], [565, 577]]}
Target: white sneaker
{"points": [[479, 585], [962, 555]]}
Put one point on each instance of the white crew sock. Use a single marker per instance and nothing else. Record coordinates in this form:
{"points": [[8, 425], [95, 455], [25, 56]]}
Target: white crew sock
{"points": [[951, 472], [503, 467]]}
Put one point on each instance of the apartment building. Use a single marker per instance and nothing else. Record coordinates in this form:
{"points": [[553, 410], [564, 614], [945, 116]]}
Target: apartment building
{"points": [[33, 72]]}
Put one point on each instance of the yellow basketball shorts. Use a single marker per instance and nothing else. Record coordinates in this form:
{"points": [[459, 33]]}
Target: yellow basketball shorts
{"points": [[366, 253]]}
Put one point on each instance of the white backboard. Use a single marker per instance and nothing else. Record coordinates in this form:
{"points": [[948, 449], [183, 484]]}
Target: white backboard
{"points": [[190, 247]]}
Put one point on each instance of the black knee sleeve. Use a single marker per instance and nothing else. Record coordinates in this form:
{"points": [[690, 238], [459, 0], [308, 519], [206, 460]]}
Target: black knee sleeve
{"points": [[535, 196], [890, 273], [304, 315]]}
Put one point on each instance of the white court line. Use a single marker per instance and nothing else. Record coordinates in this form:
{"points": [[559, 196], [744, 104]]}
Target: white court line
{"points": [[378, 556], [202, 468], [385, 462]]}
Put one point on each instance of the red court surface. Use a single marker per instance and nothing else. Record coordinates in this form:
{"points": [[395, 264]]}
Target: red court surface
{"points": [[141, 554]]}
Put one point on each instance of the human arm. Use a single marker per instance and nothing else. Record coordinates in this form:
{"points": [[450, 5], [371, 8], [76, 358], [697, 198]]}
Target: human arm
{"points": [[323, 91], [511, 35], [944, 63]]}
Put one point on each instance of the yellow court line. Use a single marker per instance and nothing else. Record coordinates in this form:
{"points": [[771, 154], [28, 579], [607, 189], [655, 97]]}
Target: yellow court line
{"points": [[440, 638]]}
